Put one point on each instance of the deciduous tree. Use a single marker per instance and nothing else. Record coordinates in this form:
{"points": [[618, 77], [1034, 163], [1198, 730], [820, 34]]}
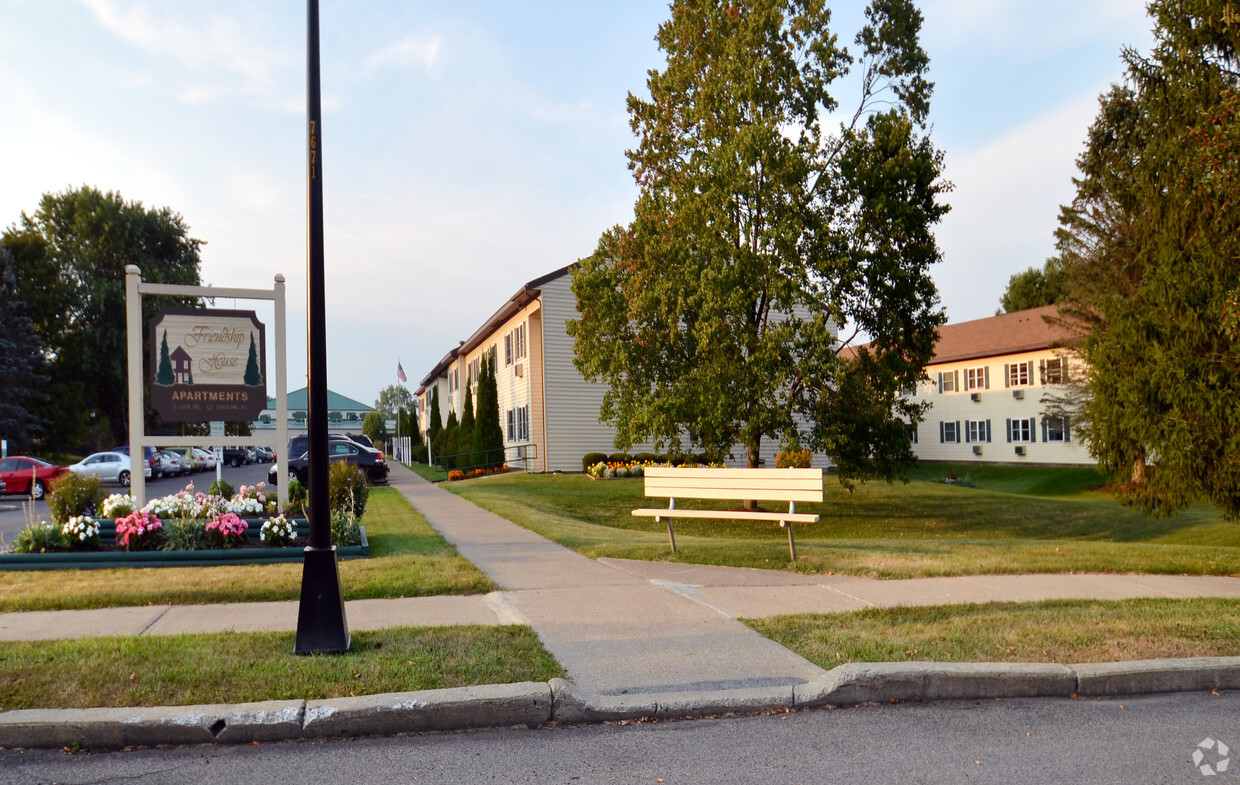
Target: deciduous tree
{"points": [[391, 398], [21, 363], [71, 257], [760, 227]]}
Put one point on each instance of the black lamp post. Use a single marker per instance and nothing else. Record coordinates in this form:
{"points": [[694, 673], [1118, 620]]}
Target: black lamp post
{"points": [[321, 625]]}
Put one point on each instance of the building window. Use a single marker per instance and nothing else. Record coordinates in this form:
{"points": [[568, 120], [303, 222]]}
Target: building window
{"points": [[949, 382], [523, 423], [977, 378], [512, 425], [518, 340], [1054, 371], [1018, 373], [1021, 430], [949, 432], [493, 357], [474, 367], [977, 431], [508, 350], [912, 433], [1056, 429]]}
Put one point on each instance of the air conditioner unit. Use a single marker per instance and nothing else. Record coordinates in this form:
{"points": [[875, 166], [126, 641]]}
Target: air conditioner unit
{"points": [[1018, 394], [975, 397], [1020, 449], [519, 369], [977, 449], [521, 451]]}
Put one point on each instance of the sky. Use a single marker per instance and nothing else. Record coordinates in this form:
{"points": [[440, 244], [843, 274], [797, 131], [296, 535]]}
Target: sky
{"points": [[473, 146]]}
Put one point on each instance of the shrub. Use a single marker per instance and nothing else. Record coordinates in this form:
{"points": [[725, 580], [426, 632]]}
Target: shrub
{"points": [[345, 530], [618, 457], [74, 494], [419, 454], [646, 457], [591, 458], [186, 534], [40, 537], [118, 505], [296, 499], [794, 458], [221, 487], [346, 488]]}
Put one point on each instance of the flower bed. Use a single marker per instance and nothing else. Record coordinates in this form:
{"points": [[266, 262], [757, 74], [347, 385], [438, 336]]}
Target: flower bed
{"points": [[469, 474], [607, 470], [182, 529]]}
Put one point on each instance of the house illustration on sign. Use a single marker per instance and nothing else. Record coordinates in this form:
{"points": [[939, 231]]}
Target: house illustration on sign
{"points": [[182, 366]]}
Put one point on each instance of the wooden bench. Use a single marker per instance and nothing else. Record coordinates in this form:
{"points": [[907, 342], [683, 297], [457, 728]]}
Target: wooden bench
{"points": [[780, 485]]}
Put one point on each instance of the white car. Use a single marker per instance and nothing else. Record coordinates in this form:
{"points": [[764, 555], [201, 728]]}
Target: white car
{"points": [[203, 459], [175, 463], [108, 467]]}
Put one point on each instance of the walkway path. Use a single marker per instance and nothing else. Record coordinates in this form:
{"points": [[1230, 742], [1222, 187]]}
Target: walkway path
{"points": [[617, 626]]}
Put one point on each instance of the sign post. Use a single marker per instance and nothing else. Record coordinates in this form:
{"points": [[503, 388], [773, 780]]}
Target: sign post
{"points": [[321, 625]]}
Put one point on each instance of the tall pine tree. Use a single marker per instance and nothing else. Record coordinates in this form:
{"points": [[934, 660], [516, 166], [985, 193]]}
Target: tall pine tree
{"points": [[1149, 247]]}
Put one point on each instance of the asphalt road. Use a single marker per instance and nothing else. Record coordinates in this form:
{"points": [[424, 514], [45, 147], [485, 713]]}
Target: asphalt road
{"points": [[12, 517], [1037, 741]]}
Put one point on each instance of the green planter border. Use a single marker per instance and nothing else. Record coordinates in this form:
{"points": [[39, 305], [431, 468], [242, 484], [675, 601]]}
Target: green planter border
{"points": [[85, 560]]}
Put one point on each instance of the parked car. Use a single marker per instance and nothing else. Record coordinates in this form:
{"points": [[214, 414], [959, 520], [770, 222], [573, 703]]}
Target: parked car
{"points": [[362, 439], [154, 461], [175, 463], [301, 442], [264, 455], [371, 462], [28, 476], [204, 460], [108, 466], [236, 456]]}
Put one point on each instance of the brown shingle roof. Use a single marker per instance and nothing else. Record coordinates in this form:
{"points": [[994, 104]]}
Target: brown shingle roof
{"points": [[1009, 333]]}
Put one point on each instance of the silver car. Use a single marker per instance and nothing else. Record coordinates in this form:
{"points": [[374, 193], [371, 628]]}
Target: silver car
{"points": [[175, 463], [108, 467]]}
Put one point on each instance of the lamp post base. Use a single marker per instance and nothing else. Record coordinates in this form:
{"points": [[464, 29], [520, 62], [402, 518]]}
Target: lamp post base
{"points": [[321, 625]]}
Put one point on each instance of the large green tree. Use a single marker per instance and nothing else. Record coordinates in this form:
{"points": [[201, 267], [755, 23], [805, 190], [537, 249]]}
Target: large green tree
{"points": [[393, 398], [1151, 250], [21, 363], [1035, 287], [70, 258], [760, 228]]}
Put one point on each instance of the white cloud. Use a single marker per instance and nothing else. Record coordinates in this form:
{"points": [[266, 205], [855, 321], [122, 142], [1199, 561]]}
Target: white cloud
{"points": [[1005, 206], [415, 51], [203, 46]]}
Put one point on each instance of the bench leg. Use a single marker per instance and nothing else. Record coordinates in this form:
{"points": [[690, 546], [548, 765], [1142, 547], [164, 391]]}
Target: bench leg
{"points": [[792, 543], [671, 535]]}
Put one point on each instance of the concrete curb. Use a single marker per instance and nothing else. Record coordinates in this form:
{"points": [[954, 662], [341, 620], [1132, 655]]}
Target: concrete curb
{"points": [[536, 703]]}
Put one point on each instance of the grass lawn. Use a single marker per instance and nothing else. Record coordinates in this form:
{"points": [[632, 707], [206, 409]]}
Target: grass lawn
{"points": [[239, 668], [427, 472], [408, 559], [1063, 631], [1016, 520]]}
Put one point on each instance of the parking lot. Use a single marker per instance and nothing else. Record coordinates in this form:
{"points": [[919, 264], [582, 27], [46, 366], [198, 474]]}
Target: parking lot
{"points": [[13, 518]]}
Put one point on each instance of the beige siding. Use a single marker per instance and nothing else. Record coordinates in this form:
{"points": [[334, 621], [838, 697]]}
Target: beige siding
{"points": [[996, 404]]}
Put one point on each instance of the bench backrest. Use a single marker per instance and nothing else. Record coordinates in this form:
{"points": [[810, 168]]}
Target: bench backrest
{"points": [[786, 485]]}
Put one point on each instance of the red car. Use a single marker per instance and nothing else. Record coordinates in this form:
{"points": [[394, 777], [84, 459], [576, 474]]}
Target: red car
{"points": [[17, 471]]}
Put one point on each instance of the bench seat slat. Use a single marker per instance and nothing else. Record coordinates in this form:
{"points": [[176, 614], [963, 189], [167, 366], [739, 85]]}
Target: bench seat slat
{"points": [[733, 474], [755, 515], [740, 494]]}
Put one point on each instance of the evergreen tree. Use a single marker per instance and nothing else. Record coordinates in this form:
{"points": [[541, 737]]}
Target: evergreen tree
{"points": [[1149, 248], [253, 378], [465, 433], [436, 422], [165, 377], [488, 432], [20, 362]]}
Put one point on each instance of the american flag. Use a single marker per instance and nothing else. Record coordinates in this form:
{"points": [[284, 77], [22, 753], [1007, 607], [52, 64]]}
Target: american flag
{"points": [[400, 372]]}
